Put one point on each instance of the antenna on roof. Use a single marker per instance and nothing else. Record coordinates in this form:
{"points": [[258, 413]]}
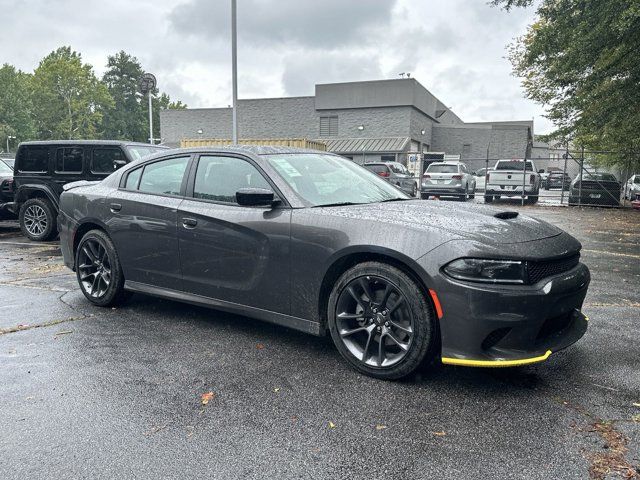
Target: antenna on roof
{"points": [[402, 74]]}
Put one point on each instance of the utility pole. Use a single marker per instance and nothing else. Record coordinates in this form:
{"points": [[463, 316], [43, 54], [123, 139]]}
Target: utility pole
{"points": [[234, 72]]}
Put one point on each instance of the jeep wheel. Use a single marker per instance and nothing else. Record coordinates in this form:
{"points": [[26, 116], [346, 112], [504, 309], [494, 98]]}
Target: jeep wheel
{"points": [[38, 220]]}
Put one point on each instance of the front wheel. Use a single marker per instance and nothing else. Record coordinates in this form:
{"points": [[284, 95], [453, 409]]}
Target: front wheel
{"points": [[98, 270], [381, 321]]}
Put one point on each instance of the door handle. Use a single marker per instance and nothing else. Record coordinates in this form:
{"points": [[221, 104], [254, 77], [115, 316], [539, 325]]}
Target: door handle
{"points": [[115, 207], [189, 223]]}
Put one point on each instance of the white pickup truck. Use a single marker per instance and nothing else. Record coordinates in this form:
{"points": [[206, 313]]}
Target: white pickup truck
{"points": [[508, 179]]}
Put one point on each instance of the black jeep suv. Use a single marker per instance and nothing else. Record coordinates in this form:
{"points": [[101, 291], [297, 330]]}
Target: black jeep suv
{"points": [[42, 168]]}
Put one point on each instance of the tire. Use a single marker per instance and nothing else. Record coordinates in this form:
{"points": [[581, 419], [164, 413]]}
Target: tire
{"points": [[109, 286], [424, 196], [414, 192], [414, 310], [488, 199], [38, 220]]}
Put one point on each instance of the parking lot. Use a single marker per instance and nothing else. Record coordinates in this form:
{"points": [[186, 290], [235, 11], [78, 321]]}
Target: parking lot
{"points": [[118, 393]]}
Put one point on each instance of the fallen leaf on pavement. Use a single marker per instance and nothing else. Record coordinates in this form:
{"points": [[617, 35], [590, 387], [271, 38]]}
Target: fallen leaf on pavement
{"points": [[276, 390], [636, 404], [259, 346], [380, 427], [636, 418], [207, 397], [64, 332], [440, 434], [332, 425]]}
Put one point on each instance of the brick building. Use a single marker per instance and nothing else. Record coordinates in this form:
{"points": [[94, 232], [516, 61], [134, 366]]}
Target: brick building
{"points": [[371, 120]]}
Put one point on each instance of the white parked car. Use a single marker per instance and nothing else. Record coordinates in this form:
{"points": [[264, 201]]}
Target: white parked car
{"points": [[632, 187], [448, 179]]}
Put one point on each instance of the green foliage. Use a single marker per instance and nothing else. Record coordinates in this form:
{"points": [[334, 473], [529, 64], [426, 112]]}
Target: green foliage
{"points": [[580, 60], [68, 99], [125, 119], [15, 107], [63, 99]]}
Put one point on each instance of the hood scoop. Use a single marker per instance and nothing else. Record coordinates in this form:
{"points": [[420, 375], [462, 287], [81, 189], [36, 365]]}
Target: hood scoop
{"points": [[506, 215]]}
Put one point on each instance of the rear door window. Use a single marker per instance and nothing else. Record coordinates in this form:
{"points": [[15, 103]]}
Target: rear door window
{"points": [[163, 177], [106, 160], [377, 168], [34, 160], [69, 159]]}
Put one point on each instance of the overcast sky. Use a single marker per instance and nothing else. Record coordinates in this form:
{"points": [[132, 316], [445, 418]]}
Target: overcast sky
{"points": [[455, 48]]}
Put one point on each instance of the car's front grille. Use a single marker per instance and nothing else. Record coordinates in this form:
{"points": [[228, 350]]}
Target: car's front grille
{"points": [[548, 268]]}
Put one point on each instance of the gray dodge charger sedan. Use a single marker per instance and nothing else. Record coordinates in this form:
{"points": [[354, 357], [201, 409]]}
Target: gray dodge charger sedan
{"points": [[314, 242]]}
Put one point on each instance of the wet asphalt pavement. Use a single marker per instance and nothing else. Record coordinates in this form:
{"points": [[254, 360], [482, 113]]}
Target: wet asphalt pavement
{"points": [[116, 393]]}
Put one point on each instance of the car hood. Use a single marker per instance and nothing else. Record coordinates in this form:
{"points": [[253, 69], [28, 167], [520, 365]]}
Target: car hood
{"points": [[464, 221]]}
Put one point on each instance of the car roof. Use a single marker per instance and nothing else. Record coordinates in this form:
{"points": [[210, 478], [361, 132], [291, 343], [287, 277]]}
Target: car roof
{"points": [[447, 162], [89, 142]]}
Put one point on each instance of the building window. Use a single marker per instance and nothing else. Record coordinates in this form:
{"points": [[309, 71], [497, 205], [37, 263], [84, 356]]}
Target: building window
{"points": [[466, 150], [388, 158], [328, 126]]}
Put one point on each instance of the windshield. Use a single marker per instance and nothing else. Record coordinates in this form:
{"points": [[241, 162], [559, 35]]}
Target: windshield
{"points": [[140, 151], [439, 168], [636, 179], [327, 180], [513, 165], [5, 169]]}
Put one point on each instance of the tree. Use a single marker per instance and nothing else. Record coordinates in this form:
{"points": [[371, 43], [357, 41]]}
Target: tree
{"points": [[579, 59], [129, 116], [15, 106], [69, 101], [125, 119]]}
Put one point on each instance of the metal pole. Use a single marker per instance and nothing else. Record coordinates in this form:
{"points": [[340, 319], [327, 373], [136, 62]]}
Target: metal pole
{"points": [[150, 119], [524, 177], [564, 172], [234, 71], [580, 184]]}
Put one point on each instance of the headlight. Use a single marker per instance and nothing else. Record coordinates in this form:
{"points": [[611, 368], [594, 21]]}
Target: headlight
{"points": [[487, 271]]}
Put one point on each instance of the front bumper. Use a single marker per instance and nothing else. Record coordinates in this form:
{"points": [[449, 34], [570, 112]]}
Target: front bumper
{"points": [[505, 325]]}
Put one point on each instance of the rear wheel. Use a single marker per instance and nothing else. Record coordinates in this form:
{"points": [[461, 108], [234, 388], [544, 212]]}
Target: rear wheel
{"points": [[38, 220], [381, 321], [488, 198], [98, 270], [424, 196], [414, 191]]}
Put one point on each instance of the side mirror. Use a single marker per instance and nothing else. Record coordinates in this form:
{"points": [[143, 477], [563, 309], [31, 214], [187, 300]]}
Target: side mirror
{"points": [[255, 197], [474, 173], [541, 171]]}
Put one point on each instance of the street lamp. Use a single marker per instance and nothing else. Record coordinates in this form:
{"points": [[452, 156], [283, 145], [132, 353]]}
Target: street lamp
{"points": [[146, 84], [9, 137]]}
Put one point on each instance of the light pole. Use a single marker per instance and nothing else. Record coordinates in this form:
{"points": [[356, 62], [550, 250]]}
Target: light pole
{"points": [[146, 84], [9, 137], [234, 72]]}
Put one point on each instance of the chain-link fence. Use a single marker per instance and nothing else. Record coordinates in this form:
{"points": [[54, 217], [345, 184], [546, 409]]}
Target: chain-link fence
{"points": [[573, 178]]}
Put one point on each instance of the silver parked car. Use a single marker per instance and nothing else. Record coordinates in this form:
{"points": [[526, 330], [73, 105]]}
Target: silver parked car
{"points": [[396, 174], [448, 179], [632, 188]]}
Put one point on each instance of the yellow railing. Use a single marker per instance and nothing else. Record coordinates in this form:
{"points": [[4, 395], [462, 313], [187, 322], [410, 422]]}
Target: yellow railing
{"points": [[279, 142]]}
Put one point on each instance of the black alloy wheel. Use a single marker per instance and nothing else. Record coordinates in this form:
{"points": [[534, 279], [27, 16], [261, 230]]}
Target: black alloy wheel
{"points": [[380, 320], [98, 270]]}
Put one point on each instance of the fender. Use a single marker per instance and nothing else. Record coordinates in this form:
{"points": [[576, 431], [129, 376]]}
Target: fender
{"points": [[23, 193], [387, 252]]}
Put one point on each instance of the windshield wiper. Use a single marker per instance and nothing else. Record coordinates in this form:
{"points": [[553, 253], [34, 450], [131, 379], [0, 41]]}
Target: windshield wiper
{"points": [[337, 204]]}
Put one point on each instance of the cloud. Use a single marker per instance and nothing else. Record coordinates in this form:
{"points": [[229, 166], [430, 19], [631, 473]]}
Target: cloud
{"points": [[320, 23], [455, 48]]}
